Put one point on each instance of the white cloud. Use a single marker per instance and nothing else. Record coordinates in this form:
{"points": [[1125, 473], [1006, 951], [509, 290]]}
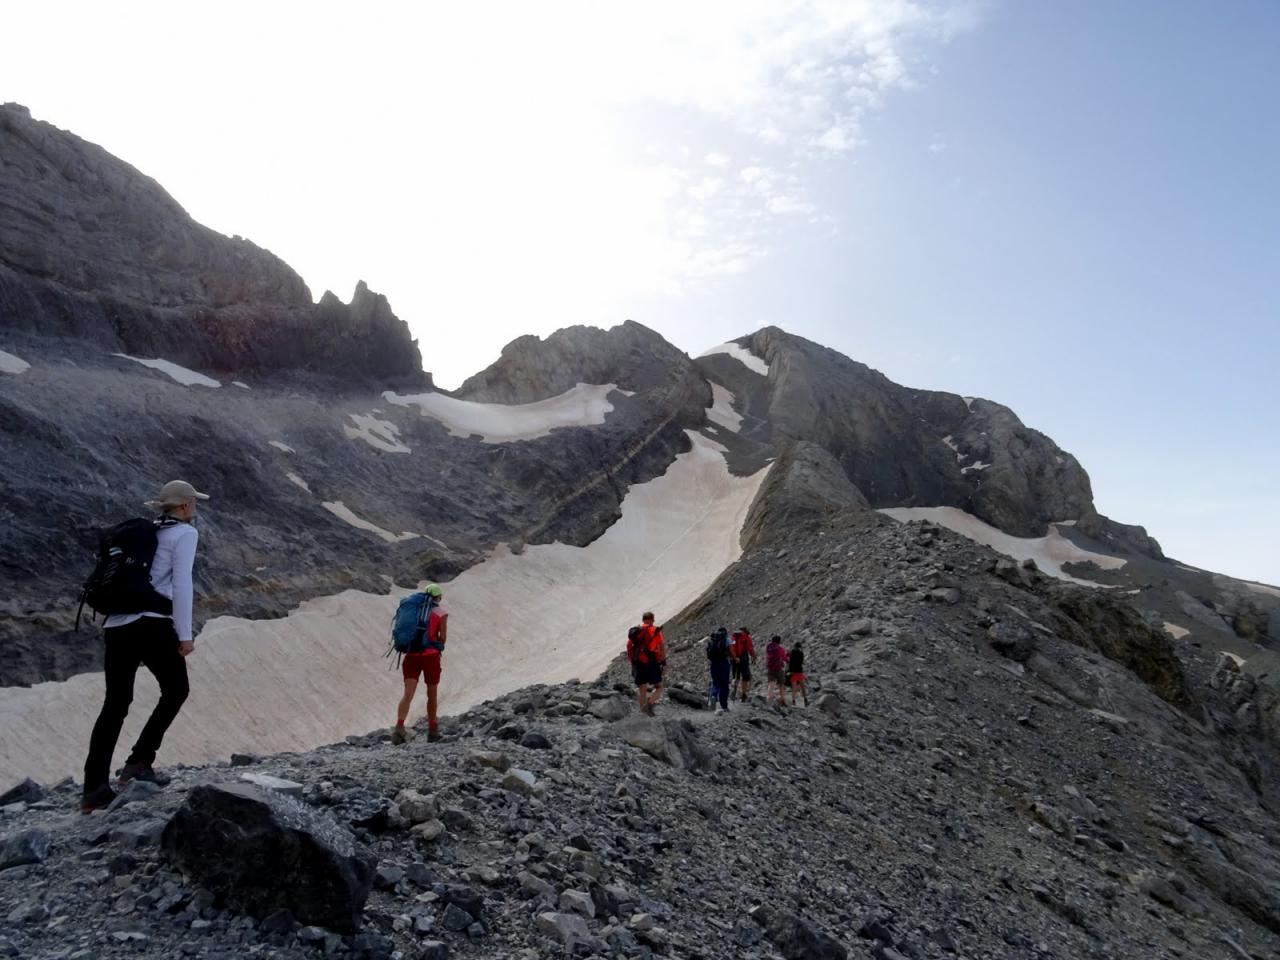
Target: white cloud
{"points": [[937, 146], [493, 181]]}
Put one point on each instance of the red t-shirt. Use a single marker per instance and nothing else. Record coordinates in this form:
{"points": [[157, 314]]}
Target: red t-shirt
{"points": [[742, 644]]}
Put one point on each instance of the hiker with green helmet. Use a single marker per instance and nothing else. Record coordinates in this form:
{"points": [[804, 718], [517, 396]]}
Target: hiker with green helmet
{"points": [[423, 650]]}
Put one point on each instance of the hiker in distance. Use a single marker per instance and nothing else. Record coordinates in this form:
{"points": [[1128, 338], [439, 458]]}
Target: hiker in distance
{"points": [[744, 653], [795, 674], [719, 653], [647, 653], [419, 632], [148, 599], [775, 664]]}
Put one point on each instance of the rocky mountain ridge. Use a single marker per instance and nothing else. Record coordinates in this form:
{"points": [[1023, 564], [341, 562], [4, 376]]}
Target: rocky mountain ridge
{"points": [[91, 249]]}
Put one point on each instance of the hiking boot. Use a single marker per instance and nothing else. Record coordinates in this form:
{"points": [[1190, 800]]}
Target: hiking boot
{"points": [[140, 771], [434, 736], [399, 735], [97, 799]]}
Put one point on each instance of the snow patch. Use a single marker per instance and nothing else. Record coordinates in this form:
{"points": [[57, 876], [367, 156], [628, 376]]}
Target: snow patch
{"points": [[584, 405], [1263, 589], [950, 442], [298, 481], [721, 410], [241, 384], [974, 466], [379, 434], [13, 365], [739, 352], [968, 403], [343, 512], [548, 614], [1175, 631], [188, 378], [1049, 552], [282, 446]]}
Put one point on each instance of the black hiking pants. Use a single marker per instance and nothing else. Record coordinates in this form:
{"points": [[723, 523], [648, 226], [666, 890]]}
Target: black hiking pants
{"points": [[151, 642]]}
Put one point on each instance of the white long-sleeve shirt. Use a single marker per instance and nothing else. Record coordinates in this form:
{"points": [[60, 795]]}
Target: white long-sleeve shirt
{"points": [[171, 576]]}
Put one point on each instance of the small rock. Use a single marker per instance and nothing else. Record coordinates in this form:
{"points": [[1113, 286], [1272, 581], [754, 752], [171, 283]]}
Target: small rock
{"points": [[456, 919], [29, 846], [533, 740], [429, 831], [519, 781], [860, 628], [433, 950], [565, 927], [535, 886], [244, 760], [142, 833], [28, 791], [455, 819], [578, 901], [387, 876], [489, 758], [414, 807], [135, 791], [268, 782]]}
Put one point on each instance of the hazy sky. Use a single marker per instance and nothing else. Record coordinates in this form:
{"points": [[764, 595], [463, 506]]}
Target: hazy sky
{"points": [[1070, 208]]}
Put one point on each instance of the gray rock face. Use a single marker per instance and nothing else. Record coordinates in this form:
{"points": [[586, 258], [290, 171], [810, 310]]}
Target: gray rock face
{"points": [[94, 250], [263, 851], [905, 447]]}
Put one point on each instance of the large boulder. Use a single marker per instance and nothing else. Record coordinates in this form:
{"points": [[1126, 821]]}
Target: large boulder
{"points": [[262, 851], [671, 741], [796, 937]]}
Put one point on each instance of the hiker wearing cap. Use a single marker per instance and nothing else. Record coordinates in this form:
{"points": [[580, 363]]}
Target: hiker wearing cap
{"points": [[424, 663], [157, 634], [743, 651], [795, 674], [647, 653]]}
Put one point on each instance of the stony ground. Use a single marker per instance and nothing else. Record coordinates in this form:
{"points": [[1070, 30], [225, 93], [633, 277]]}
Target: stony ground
{"points": [[972, 778]]}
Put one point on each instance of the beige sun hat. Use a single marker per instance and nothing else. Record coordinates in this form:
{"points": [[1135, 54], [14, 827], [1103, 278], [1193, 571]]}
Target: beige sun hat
{"points": [[175, 492]]}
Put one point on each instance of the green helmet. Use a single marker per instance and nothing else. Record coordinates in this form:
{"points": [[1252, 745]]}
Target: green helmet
{"points": [[433, 590]]}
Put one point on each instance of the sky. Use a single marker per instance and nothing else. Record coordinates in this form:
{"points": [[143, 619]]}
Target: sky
{"points": [[1067, 208]]}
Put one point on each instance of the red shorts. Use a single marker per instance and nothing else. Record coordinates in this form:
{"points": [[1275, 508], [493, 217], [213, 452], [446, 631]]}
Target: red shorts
{"points": [[422, 664]]}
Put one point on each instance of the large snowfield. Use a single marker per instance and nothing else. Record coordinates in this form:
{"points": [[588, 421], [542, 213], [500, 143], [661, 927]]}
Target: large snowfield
{"points": [[548, 614], [582, 406], [1049, 552]]}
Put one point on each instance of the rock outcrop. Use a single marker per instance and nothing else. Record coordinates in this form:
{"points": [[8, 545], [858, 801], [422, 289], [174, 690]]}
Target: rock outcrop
{"points": [[906, 447], [261, 851]]}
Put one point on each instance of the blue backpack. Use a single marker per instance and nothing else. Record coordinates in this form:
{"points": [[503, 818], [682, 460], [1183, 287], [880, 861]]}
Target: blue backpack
{"points": [[409, 626]]}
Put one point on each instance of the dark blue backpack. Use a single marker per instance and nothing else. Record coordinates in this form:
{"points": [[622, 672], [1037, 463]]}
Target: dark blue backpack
{"points": [[409, 626]]}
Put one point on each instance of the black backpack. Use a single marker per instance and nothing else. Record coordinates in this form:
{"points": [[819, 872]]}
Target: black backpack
{"points": [[718, 646], [121, 579]]}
